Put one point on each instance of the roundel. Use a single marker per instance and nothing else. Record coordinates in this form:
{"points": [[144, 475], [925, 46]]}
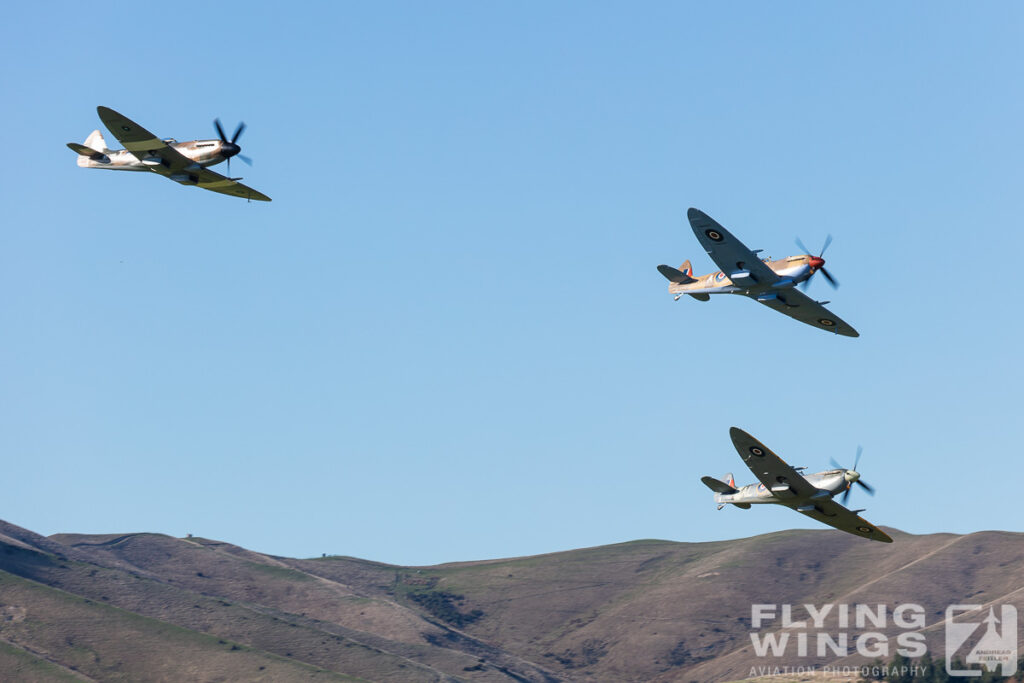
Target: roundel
{"points": [[826, 322], [754, 450], [864, 529], [720, 276], [713, 235], [760, 487], [126, 128]]}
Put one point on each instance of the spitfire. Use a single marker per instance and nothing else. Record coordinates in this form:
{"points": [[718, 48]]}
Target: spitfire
{"points": [[183, 162], [772, 283], [811, 495]]}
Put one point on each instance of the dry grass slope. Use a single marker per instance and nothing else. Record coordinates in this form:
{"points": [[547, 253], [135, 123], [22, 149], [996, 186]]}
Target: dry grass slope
{"points": [[150, 607]]}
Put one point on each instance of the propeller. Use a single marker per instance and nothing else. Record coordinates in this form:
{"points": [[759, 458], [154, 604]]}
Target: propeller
{"points": [[230, 148], [818, 263], [852, 476]]}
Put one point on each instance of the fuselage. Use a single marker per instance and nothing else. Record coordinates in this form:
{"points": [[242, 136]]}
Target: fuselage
{"points": [[791, 270], [830, 481], [203, 152]]}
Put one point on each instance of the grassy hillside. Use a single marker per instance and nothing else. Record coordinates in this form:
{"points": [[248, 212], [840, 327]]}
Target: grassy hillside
{"points": [[152, 607], [655, 610]]}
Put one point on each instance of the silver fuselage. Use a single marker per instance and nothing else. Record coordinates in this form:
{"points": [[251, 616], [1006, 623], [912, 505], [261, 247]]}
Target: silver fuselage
{"points": [[203, 152], [830, 482]]}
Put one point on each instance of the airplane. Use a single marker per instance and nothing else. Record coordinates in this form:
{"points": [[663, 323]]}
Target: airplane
{"points": [[182, 162], [784, 485], [772, 283]]}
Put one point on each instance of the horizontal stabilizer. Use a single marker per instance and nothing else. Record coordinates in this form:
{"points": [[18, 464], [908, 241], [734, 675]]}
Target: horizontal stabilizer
{"points": [[718, 486], [89, 152], [700, 297], [675, 275]]}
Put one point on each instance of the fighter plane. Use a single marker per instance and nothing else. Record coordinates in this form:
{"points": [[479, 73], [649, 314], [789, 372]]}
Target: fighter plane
{"points": [[182, 162], [784, 485], [772, 283]]}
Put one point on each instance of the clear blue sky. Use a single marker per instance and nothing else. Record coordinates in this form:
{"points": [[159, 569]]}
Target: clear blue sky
{"points": [[446, 339]]}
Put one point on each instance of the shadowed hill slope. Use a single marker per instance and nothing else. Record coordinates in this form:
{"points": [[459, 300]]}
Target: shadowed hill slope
{"points": [[153, 607]]}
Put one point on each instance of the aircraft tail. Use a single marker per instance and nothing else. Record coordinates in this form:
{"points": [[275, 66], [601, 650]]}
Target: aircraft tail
{"points": [[682, 276], [718, 486], [722, 489], [94, 149], [678, 278]]}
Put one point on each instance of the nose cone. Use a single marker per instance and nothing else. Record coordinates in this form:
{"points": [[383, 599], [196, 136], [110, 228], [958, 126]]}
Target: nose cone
{"points": [[229, 149], [816, 262], [852, 476]]}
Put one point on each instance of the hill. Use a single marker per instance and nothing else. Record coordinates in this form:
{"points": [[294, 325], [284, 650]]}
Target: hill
{"points": [[152, 607]]}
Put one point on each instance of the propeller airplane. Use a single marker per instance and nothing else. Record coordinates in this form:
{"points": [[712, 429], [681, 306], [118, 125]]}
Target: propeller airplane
{"points": [[182, 162], [772, 283], [810, 494]]}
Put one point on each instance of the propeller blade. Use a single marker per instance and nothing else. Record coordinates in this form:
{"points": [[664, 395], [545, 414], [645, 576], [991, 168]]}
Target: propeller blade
{"points": [[831, 280], [803, 248], [220, 131], [229, 167], [866, 487], [849, 485], [238, 131], [245, 159], [828, 241], [805, 284]]}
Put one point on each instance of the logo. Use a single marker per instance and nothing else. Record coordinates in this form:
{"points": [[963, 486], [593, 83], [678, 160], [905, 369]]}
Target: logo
{"points": [[980, 640], [838, 630], [993, 647]]}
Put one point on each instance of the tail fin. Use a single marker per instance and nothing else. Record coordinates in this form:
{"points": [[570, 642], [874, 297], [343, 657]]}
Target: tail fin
{"points": [[96, 142], [686, 269], [729, 479]]}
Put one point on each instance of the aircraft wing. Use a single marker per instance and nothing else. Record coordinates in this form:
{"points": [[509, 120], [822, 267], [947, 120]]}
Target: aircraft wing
{"points": [[827, 511], [164, 159], [215, 182], [140, 141], [799, 306], [729, 254], [778, 477]]}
